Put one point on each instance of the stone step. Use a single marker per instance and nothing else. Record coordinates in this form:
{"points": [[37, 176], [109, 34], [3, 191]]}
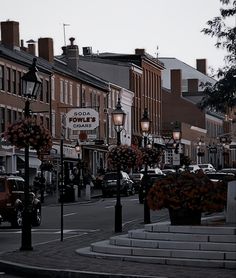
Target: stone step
{"points": [[106, 247], [182, 236], [164, 256], [202, 230], [124, 240]]}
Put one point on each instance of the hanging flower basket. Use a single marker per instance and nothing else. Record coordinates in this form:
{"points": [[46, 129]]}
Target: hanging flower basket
{"points": [[124, 156], [28, 133], [151, 156], [46, 166]]}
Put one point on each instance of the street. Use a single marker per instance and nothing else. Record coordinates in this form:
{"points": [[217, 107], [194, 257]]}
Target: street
{"points": [[87, 220]]}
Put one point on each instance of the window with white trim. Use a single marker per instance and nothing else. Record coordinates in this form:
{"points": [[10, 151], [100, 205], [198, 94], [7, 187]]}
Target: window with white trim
{"points": [[53, 124], [78, 95], [53, 88], [61, 91], [1, 77], [66, 91], [70, 93]]}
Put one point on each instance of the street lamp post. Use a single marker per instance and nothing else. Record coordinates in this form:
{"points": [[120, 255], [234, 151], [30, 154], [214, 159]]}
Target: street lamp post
{"points": [[118, 118], [31, 86], [145, 127], [78, 149], [176, 134]]}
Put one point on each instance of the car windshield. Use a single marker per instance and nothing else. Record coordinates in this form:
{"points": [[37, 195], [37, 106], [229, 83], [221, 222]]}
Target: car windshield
{"points": [[203, 166]]}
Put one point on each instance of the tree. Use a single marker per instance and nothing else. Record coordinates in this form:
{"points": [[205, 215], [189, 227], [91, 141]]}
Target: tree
{"points": [[222, 95]]}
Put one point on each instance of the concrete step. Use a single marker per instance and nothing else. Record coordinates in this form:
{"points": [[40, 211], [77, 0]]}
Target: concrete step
{"points": [[171, 244], [143, 234], [202, 230], [106, 247], [169, 257], [161, 243]]}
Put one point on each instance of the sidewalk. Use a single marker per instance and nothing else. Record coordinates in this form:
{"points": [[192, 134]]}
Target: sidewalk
{"points": [[59, 259]]}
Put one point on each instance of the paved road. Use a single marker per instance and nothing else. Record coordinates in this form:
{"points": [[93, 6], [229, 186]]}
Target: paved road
{"points": [[61, 257]]}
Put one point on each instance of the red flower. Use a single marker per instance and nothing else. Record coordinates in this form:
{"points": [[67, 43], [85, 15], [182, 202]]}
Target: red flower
{"points": [[188, 190], [28, 133]]}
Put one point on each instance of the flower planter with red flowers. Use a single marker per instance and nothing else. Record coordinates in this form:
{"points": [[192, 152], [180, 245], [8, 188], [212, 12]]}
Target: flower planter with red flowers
{"points": [[27, 132], [188, 192]]}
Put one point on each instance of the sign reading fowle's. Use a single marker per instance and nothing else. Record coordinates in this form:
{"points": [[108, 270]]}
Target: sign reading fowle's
{"points": [[82, 119]]}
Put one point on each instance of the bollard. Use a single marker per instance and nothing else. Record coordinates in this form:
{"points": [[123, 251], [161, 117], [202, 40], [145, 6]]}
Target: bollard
{"points": [[231, 203], [88, 192]]}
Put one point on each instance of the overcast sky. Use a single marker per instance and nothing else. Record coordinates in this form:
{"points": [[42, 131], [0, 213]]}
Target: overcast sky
{"points": [[120, 26]]}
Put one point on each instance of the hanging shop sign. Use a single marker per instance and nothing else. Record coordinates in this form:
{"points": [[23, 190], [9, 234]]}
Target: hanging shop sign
{"points": [[82, 119]]}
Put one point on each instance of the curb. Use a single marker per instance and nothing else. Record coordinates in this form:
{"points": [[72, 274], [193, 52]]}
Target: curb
{"points": [[39, 272]]}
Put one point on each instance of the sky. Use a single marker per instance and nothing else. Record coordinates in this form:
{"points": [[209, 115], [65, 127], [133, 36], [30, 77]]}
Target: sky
{"points": [[170, 28]]}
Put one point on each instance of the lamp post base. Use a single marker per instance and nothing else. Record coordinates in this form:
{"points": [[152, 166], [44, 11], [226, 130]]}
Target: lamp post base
{"points": [[118, 218], [26, 243], [147, 218]]}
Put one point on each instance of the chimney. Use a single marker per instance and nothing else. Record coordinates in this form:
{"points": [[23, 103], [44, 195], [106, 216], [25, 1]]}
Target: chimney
{"points": [[45, 48], [22, 47], [63, 50], [10, 34], [72, 55], [176, 81], [140, 51], [201, 65], [192, 85], [87, 51], [31, 47]]}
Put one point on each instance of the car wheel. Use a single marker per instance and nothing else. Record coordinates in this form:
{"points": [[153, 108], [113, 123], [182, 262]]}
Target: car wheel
{"points": [[36, 217], [17, 220], [132, 190]]}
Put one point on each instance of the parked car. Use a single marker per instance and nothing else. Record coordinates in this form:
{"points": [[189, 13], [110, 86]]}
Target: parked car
{"points": [[148, 181], [109, 184], [136, 178], [229, 170], [12, 201], [220, 176], [193, 168], [207, 167], [152, 171], [168, 171]]}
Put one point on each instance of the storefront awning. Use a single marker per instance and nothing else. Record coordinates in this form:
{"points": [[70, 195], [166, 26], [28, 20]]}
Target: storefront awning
{"points": [[34, 162]]}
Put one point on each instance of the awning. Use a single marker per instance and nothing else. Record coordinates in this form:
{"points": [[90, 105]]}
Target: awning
{"points": [[34, 162]]}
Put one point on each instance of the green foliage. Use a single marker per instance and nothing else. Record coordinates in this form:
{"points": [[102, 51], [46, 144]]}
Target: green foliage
{"points": [[222, 95]]}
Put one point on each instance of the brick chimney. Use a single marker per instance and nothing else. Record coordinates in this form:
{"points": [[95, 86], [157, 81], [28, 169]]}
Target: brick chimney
{"points": [[72, 55], [193, 85], [31, 47], [140, 51], [176, 81], [45, 48], [201, 65], [10, 34]]}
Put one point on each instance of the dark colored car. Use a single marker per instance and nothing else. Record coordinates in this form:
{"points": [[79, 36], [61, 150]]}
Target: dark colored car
{"points": [[12, 202], [109, 184], [148, 181], [220, 176], [229, 170], [136, 178]]}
